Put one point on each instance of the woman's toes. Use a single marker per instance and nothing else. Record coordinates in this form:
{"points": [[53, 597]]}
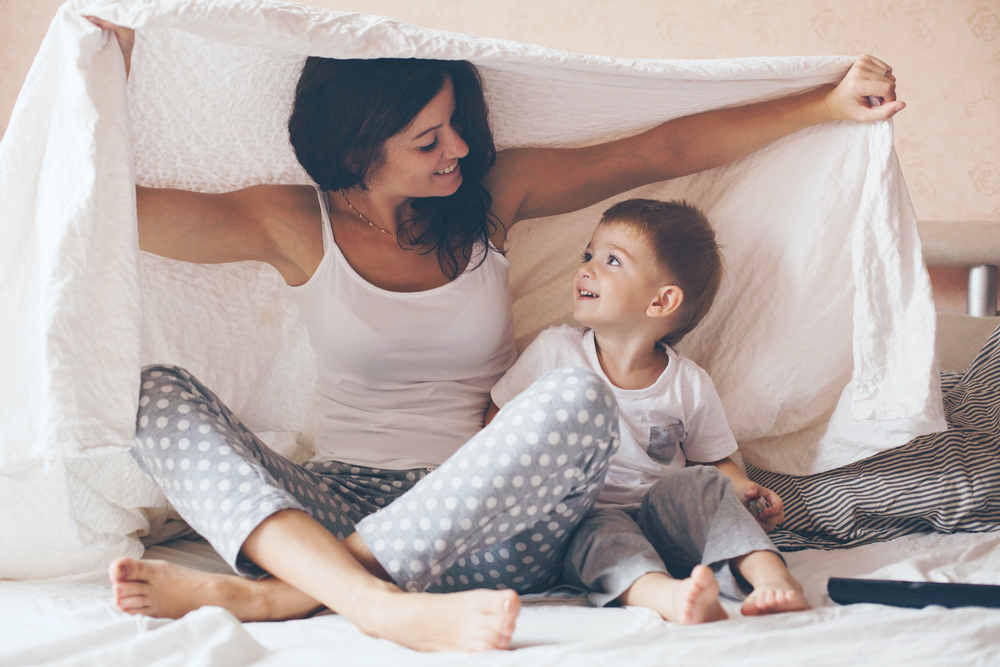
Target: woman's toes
{"points": [[131, 603], [510, 603], [119, 570], [142, 570], [129, 589], [134, 606], [132, 569]]}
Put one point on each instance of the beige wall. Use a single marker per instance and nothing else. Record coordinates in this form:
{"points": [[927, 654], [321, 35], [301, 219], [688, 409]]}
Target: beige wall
{"points": [[946, 55]]}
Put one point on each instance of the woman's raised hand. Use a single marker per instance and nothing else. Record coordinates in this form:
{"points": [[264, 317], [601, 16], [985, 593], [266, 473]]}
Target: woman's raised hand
{"points": [[868, 81], [126, 38]]}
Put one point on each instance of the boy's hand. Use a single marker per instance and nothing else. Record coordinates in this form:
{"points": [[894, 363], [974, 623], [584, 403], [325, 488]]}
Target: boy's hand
{"points": [[770, 517]]}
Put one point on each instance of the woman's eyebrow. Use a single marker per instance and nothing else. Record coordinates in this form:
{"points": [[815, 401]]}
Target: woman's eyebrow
{"points": [[430, 129]]}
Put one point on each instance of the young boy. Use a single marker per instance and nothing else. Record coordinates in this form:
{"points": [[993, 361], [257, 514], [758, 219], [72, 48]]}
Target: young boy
{"points": [[649, 275]]}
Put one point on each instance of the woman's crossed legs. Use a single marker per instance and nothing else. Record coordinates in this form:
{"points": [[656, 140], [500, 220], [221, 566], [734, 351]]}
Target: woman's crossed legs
{"points": [[498, 514]]}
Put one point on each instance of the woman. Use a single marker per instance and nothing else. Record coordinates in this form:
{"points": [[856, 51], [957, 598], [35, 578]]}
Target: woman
{"points": [[393, 259]]}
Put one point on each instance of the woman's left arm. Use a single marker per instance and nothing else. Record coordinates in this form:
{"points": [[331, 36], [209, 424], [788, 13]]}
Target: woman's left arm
{"points": [[536, 182]]}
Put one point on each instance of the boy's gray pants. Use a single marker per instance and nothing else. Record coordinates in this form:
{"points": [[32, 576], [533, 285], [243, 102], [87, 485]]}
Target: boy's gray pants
{"points": [[689, 517]]}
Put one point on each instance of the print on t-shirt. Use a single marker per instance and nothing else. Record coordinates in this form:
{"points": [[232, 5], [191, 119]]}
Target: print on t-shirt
{"points": [[664, 440]]}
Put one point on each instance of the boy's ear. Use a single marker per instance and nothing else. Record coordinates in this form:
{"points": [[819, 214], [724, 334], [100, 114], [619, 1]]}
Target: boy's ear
{"points": [[668, 299]]}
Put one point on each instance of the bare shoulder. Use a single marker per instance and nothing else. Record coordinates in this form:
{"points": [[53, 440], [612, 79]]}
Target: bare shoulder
{"points": [[508, 184], [507, 181], [291, 217], [290, 202], [276, 224]]}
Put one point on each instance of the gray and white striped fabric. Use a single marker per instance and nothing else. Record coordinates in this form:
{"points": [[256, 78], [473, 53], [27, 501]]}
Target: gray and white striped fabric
{"points": [[944, 482]]}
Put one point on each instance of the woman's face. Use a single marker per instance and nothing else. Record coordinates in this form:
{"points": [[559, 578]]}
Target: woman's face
{"points": [[422, 160]]}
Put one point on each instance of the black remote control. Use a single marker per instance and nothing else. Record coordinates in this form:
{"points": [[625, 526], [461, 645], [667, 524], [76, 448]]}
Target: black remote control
{"points": [[915, 594]]}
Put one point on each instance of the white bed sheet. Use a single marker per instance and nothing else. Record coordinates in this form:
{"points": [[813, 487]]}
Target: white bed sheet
{"points": [[72, 621], [821, 217]]}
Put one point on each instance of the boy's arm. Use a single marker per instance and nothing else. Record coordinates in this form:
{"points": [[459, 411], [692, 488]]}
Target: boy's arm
{"points": [[709, 436], [748, 491], [537, 359]]}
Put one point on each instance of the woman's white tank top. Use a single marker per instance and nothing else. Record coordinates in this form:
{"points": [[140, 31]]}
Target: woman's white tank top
{"points": [[405, 377]]}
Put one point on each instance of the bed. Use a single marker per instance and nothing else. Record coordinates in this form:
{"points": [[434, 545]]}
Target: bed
{"points": [[72, 621], [94, 310]]}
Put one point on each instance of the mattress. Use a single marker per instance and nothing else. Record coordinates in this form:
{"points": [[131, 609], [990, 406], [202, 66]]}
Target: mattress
{"points": [[73, 621]]}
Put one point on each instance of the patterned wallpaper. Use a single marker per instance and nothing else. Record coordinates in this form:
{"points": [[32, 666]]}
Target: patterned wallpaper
{"points": [[946, 56]]}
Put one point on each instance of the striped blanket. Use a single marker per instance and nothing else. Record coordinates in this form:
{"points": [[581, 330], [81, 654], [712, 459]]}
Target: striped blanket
{"points": [[945, 482]]}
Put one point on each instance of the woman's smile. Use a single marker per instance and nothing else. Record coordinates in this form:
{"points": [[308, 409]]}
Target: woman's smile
{"points": [[449, 174], [447, 170]]}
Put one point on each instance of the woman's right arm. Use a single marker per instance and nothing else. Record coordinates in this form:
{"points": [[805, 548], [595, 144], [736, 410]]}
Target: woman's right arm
{"points": [[201, 228], [276, 224], [273, 224]]}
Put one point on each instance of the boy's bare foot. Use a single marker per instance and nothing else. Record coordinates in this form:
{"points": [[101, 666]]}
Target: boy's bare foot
{"points": [[164, 590], [689, 602], [775, 590], [774, 598], [698, 598], [469, 621]]}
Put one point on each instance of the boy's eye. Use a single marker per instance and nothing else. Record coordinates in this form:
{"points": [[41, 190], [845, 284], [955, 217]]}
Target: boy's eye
{"points": [[586, 257], [429, 147], [614, 261]]}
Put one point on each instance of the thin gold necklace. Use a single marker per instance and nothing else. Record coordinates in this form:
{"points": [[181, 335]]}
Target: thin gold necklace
{"points": [[360, 215]]}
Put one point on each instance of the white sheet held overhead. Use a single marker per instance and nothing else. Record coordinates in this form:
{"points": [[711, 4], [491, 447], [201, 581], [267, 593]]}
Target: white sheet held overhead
{"points": [[824, 286]]}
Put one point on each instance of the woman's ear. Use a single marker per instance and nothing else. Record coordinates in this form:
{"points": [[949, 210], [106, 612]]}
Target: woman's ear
{"points": [[668, 300]]}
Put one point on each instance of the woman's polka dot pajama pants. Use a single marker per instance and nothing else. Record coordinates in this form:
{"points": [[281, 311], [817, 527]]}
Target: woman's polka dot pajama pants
{"points": [[498, 514]]}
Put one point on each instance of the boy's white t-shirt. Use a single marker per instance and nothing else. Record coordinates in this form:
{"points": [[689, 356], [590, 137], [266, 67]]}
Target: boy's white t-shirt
{"points": [[679, 418]]}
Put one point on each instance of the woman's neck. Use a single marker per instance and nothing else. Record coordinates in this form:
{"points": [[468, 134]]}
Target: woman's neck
{"points": [[630, 362], [383, 210]]}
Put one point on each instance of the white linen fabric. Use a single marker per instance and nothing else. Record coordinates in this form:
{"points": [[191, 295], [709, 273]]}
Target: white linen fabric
{"points": [[678, 418], [70, 622], [825, 307], [410, 392]]}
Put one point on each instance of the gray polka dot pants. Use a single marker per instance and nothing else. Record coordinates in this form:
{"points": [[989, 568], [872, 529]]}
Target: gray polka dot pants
{"points": [[498, 514]]}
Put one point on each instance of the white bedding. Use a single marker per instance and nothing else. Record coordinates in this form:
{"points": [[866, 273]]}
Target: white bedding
{"points": [[73, 622], [825, 308]]}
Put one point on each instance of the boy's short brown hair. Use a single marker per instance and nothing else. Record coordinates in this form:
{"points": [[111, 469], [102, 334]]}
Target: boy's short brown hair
{"points": [[683, 243]]}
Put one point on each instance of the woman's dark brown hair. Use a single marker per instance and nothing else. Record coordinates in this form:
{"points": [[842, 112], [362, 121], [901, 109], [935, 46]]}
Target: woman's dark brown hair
{"points": [[345, 111]]}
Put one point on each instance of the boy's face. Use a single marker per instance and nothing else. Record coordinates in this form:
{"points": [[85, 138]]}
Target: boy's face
{"points": [[617, 282]]}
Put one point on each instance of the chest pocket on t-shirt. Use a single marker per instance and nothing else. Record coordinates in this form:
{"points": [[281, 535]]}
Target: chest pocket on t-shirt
{"points": [[664, 441]]}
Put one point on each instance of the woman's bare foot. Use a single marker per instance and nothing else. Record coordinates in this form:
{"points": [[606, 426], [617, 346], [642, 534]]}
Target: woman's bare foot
{"points": [[469, 621], [689, 602], [478, 620], [775, 590], [164, 590]]}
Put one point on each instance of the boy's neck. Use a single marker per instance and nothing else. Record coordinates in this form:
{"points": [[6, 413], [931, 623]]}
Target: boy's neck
{"points": [[630, 362]]}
